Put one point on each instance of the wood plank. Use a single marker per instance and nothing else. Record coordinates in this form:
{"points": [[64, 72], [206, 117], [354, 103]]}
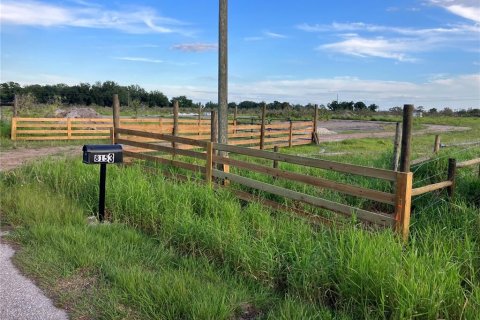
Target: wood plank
{"points": [[313, 181], [244, 134], [165, 137], [90, 131], [89, 126], [40, 131], [174, 163], [244, 142], [364, 215], [316, 163], [42, 125], [156, 147], [41, 119], [467, 163], [431, 187]]}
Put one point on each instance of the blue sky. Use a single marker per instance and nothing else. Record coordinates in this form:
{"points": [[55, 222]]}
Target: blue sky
{"points": [[425, 52]]}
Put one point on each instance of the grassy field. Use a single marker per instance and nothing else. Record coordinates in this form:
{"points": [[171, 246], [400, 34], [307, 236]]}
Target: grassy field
{"points": [[184, 251]]}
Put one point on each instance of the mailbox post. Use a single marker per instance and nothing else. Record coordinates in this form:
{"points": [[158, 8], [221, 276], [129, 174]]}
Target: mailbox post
{"points": [[102, 154]]}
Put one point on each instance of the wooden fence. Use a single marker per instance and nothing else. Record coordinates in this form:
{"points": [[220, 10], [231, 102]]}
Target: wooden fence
{"points": [[450, 182], [279, 133], [202, 157]]}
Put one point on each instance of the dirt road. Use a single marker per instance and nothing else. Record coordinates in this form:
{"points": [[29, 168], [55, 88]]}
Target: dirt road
{"points": [[11, 159]]}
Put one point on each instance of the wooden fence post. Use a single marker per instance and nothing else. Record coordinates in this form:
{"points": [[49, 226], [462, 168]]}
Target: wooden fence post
{"points": [[262, 127], [290, 134], [13, 132], [175, 121], [275, 162], [199, 117], [315, 120], [406, 138], [112, 136], [69, 128], [436, 146], [396, 147], [403, 203], [116, 116], [15, 106], [235, 114], [209, 163], [452, 171]]}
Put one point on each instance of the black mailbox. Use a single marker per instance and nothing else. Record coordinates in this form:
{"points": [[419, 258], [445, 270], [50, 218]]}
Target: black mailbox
{"points": [[102, 153]]}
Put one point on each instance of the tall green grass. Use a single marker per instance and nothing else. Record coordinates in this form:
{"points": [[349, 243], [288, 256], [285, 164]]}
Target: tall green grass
{"points": [[352, 271]]}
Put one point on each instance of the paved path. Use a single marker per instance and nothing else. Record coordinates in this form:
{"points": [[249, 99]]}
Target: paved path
{"points": [[20, 298]]}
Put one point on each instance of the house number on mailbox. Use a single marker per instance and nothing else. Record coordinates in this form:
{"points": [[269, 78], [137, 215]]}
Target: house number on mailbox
{"points": [[104, 158]]}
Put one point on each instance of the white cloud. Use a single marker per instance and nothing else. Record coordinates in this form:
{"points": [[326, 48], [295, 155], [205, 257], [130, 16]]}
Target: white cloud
{"points": [[195, 47], [363, 47], [274, 35], [131, 19], [396, 43], [266, 35], [468, 9], [140, 59]]}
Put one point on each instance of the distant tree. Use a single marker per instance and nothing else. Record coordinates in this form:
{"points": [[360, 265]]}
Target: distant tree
{"points": [[396, 110], [183, 102], [373, 107], [232, 105], [211, 105], [8, 91], [334, 106], [433, 111], [359, 105], [248, 105], [157, 99], [447, 112]]}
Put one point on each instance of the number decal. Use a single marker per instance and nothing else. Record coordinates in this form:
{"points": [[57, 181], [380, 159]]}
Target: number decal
{"points": [[104, 158]]}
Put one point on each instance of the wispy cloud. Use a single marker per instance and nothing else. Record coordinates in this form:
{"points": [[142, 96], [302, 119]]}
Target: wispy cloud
{"points": [[128, 19], [195, 47], [398, 43], [381, 48], [266, 35], [140, 59], [468, 9], [274, 35]]}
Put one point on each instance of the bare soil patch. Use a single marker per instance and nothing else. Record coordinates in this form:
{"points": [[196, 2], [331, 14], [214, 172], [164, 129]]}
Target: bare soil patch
{"points": [[11, 159]]}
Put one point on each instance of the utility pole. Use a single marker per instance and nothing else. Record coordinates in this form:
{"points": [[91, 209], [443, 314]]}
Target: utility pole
{"points": [[223, 73]]}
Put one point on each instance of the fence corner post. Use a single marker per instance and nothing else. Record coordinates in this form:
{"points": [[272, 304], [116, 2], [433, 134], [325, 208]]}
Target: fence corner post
{"points": [[452, 171], [403, 203]]}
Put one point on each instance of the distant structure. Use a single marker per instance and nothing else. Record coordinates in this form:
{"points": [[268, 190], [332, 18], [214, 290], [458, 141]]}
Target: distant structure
{"points": [[418, 113]]}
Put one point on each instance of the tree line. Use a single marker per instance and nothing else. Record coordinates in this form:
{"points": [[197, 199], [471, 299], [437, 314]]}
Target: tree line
{"points": [[101, 94]]}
